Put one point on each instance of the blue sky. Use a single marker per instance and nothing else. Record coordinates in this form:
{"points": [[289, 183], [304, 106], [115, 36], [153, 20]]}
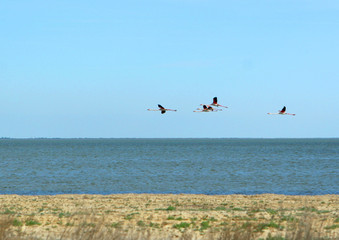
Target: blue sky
{"points": [[92, 68]]}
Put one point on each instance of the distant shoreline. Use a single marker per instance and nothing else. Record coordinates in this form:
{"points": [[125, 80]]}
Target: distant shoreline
{"points": [[172, 194], [189, 138]]}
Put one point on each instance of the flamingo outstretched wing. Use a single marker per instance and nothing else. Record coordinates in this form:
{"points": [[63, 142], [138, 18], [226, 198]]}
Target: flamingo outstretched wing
{"points": [[161, 107], [282, 112], [215, 100]]}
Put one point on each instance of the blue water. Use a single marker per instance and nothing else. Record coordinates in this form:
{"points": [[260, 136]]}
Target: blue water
{"points": [[207, 166]]}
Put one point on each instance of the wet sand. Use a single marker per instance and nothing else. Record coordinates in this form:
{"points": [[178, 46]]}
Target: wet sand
{"points": [[167, 216]]}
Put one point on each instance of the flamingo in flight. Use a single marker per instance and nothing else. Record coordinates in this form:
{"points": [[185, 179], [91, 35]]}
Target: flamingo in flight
{"points": [[162, 109], [207, 109], [215, 103], [282, 112]]}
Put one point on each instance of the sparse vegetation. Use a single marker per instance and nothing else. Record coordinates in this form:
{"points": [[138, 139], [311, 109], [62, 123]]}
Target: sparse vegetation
{"points": [[130, 216], [182, 217], [220, 208], [238, 209], [171, 208], [116, 225], [181, 225], [141, 223], [31, 222], [154, 225], [204, 225], [271, 211], [8, 211], [17, 223], [62, 214], [332, 226]]}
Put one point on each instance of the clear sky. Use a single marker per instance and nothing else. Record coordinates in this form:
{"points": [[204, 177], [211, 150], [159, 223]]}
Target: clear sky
{"points": [[92, 68]]}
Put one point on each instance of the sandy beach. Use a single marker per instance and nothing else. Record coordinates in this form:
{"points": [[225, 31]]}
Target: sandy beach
{"points": [[166, 216]]}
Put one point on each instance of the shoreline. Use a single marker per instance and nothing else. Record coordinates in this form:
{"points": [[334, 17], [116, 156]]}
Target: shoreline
{"points": [[179, 193], [170, 216]]}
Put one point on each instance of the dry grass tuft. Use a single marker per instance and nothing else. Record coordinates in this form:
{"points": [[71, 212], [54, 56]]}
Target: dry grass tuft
{"points": [[5, 224], [235, 233]]}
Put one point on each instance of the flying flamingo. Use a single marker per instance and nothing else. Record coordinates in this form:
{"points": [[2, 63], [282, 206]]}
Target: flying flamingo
{"points": [[162, 109], [215, 103], [207, 109], [282, 112]]}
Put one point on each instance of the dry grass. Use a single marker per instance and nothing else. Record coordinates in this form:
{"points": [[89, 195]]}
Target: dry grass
{"points": [[87, 230], [186, 217], [301, 230]]}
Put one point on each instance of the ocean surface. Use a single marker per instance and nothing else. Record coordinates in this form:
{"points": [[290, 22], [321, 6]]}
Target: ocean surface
{"points": [[203, 166]]}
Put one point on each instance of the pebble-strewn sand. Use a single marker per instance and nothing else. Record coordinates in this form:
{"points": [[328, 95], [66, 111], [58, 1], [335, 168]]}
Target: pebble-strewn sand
{"points": [[165, 216]]}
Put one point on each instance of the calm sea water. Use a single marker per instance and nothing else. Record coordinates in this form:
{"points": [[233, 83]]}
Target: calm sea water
{"points": [[208, 166]]}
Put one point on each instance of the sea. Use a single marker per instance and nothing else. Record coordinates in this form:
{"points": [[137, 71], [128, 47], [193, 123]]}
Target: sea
{"points": [[169, 166]]}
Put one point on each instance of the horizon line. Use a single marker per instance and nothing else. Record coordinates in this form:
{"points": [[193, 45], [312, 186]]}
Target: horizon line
{"points": [[1, 138]]}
